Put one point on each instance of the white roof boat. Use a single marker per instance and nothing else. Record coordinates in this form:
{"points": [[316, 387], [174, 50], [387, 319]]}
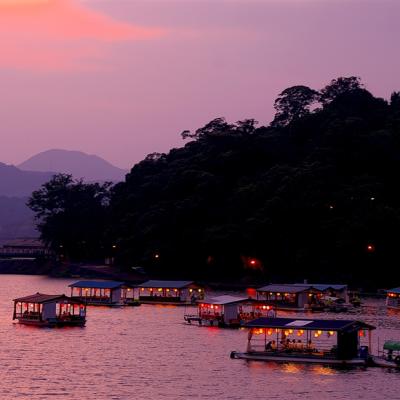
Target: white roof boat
{"points": [[330, 342]]}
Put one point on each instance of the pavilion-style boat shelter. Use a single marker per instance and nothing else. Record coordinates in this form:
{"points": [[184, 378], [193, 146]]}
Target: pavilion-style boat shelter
{"points": [[308, 341], [229, 311], [99, 293], [169, 292], [49, 310], [299, 296], [393, 298]]}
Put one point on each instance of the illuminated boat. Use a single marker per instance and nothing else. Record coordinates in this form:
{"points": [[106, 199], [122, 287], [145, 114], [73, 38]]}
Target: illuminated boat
{"points": [[331, 342], [49, 310], [169, 292], [393, 298], [103, 293], [229, 311]]}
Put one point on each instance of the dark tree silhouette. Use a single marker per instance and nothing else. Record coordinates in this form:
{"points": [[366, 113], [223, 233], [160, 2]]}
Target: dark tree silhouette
{"points": [[293, 103], [71, 215], [338, 87]]}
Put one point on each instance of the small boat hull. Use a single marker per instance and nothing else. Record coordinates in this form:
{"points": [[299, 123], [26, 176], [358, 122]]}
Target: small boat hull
{"points": [[297, 359], [51, 323], [377, 361]]}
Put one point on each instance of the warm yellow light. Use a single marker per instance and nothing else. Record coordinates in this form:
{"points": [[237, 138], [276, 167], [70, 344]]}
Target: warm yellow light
{"points": [[160, 290], [190, 290], [175, 290], [142, 289], [199, 290], [290, 330], [319, 332], [167, 290]]}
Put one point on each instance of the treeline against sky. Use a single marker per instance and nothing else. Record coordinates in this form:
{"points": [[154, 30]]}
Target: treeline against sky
{"points": [[313, 195]]}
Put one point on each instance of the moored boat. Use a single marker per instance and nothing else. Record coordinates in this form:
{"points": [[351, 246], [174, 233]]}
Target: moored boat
{"points": [[393, 298], [103, 293], [389, 357], [169, 292], [229, 311], [330, 342], [48, 310]]}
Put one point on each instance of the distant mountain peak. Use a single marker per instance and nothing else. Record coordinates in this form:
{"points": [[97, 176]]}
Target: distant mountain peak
{"points": [[90, 167]]}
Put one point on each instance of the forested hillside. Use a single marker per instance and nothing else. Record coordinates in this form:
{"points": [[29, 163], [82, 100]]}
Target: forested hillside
{"points": [[314, 195]]}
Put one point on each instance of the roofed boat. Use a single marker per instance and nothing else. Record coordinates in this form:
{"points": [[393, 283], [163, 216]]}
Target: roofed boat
{"points": [[49, 310], [300, 296], [169, 292], [103, 293], [393, 298], [315, 341], [229, 311]]}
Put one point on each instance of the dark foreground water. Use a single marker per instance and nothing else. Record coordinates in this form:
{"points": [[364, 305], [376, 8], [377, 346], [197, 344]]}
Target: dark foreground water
{"points": [[148, 353]]}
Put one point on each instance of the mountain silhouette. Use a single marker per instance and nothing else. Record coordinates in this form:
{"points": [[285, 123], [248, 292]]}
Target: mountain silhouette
{"points": [[78, 164]]}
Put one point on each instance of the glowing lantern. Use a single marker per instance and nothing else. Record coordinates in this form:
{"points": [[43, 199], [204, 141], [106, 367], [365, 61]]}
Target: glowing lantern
{"points": [[167, 290], [290, 330], [175, 290], [142, 289], [160, 289], [370, 248], [190, 290], [199, 290]]}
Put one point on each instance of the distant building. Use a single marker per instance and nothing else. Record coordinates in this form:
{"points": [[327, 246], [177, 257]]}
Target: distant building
{"points": [[24, 247]]}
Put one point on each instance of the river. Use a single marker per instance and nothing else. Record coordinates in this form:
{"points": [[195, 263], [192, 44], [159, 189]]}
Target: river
{"points": [[147, 352]]}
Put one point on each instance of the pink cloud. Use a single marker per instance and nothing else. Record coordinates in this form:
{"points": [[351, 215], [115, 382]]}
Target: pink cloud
{"points": [[59, 34]]}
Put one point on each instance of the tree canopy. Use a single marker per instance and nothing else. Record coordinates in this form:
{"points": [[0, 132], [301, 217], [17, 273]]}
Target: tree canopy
{"points": [[72, 216]]}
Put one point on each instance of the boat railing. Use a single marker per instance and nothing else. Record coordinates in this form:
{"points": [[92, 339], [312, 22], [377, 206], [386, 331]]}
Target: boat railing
{"points": [[31, 315]]}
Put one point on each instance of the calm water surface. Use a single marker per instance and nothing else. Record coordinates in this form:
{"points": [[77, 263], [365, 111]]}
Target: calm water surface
{"points": [[148, 353]]}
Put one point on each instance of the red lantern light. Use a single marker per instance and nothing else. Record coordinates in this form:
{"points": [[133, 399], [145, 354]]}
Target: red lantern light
{"points": [[370, 248]]}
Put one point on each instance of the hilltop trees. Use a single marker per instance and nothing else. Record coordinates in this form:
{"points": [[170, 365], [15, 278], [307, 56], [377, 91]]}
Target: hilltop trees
{"points": [[72, 216], [292, 104], [314, 195]]}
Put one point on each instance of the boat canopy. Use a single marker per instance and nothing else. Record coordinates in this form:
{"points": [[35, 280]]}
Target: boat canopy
{"points": [[323, 286], [309, 324], [227, 299], [97, 284], [394, 290], [392, 345], [40, 298], [165, 284], [287, 288]]}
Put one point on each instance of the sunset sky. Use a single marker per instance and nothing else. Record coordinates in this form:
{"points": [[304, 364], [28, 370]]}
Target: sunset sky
{"points": [[123, 78]]}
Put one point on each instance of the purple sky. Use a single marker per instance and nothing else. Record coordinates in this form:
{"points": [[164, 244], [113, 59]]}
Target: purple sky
{"points": [[123, 78]]}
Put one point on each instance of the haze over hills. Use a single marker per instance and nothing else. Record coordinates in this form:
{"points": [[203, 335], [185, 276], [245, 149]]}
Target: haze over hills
{"points": [[17, 183], [79, 164]]}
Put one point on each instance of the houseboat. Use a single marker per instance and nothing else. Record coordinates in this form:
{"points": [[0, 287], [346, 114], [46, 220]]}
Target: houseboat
{"points": [[169, 292], [229, 311], [99, 293], [301, 296], [48, 310], [393, 298], [331, 342]]}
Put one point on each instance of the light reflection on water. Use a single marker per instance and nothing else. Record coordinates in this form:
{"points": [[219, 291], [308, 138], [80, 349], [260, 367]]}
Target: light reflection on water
{"points": [[148, 353]]}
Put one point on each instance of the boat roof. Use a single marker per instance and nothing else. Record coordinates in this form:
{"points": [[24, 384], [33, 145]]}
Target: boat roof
{"points": [[392, 345], [40, 298], [285, 288], [97, 284], [323, 286], [165, 284], [394, 290], [309, 324], [225, 299]]}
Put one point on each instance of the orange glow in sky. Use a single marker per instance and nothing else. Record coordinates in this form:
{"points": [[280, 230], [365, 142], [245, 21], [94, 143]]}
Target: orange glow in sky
{"points": [[58, 34]]}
